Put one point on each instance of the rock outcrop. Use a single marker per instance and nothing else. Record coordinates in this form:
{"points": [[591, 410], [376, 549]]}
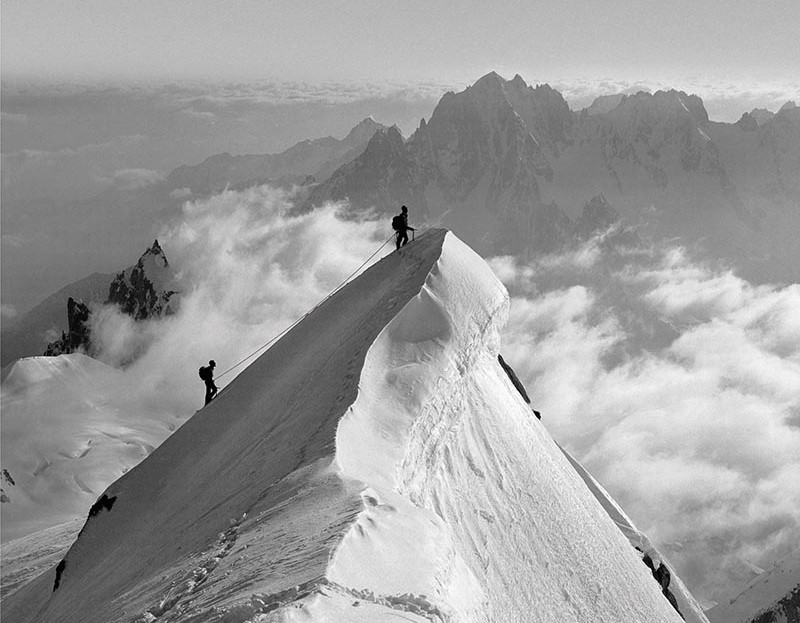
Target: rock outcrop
{"points": [[145, 290], [76, 337]]}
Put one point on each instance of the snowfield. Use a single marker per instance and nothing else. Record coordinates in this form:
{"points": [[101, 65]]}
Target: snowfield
{"points": [[376, 463], [89, 427]]}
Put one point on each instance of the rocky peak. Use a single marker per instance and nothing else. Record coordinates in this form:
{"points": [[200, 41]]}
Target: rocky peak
{"points": [[385, 138], [145, 290], [747, 123], [665, 105], [544, 110], [380, 178], [790, 105], [761, 115], [653, 129], [491, 82], [363, 131], [604, 103], [156, 253], [518, 82], [76, 338]]}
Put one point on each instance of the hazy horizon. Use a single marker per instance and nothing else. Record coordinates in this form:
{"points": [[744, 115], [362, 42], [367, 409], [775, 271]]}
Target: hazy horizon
{"points": [[66, 142], [415, 40]]}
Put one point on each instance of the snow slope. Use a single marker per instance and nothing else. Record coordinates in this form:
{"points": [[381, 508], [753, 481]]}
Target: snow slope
{"points": [[31, 555], [89, 431], [375, 463], [771, 597], [687, 604]]}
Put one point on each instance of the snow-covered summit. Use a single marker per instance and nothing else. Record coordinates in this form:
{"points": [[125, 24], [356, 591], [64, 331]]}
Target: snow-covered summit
{"points": [[376, 462]]}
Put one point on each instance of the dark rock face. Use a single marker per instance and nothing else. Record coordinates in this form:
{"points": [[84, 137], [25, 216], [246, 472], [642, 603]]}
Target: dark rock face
{"points": [[384, 174], [76, 338], [7, 480], [142, 291], [662, 575], [316, 158], [474, 166], [514, 378], [103, 503], [59, 572], [135, 294], [786, 610]]}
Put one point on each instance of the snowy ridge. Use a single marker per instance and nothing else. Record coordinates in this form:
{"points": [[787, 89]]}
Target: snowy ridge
{"points": [[376, 462], [457, 510], [688, 605], [769, 597]]}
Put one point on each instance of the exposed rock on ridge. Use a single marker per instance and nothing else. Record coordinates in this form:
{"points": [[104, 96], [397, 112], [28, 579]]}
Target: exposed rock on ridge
{"points": [[145, 290]]}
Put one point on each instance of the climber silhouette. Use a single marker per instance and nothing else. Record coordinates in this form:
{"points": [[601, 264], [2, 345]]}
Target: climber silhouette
{"points": [[400, 226], [207, 374]]}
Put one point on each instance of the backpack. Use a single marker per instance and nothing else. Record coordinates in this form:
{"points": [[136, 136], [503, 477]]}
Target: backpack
{"points": [[397, 222], [204, 373]]}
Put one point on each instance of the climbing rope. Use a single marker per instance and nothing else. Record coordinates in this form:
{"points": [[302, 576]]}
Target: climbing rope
{"points": [[296, 322]]}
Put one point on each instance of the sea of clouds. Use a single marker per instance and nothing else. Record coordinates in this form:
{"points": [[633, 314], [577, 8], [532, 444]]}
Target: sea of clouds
{"points": [[672, 379], [677, 384], [246, 270]]}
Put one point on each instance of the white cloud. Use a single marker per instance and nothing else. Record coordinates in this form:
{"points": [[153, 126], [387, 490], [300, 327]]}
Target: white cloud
{"points": [[695, 435], [135, 179], [248, 270]]}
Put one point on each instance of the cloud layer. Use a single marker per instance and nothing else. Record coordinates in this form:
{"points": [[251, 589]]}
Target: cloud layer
{"points": [[678, 386], [248, 270], [674, 381]]}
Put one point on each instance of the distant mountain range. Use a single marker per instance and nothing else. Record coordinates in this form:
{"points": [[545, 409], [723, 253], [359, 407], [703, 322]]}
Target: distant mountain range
{"points": [[512, 170], [133, 213], [508, 166], [61, 323], [305, 162]]}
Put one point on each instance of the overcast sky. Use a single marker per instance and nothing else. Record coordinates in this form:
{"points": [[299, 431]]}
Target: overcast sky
{"points": [[411, 40]]}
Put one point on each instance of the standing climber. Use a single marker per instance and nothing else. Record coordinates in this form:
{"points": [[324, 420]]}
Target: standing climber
{"points": [[400, 226], [207, 374]]}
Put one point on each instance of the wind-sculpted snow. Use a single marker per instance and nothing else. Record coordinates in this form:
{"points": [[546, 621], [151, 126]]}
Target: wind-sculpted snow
{"points": [[375, 463]]}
